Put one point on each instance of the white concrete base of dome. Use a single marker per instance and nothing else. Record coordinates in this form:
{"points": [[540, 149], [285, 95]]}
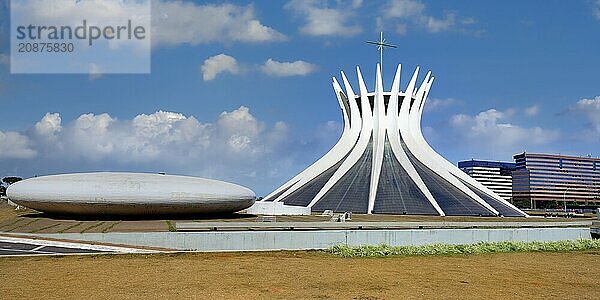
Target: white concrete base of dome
{"points": [[277, 209]]}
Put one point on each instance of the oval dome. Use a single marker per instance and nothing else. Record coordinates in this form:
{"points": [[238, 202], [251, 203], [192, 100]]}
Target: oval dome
{"points": [[129, 194]]}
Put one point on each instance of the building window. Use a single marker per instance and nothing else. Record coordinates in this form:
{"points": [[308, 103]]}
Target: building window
{"points": [[560, 163]]}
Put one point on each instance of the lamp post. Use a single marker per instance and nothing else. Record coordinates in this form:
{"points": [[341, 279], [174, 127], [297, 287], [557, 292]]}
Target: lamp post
{"points": [[565, 199]]}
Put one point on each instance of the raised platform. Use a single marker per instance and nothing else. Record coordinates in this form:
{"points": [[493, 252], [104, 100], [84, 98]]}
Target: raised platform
{"points": [[250, 226], [240, 232], [263, 236], [267, 240]]}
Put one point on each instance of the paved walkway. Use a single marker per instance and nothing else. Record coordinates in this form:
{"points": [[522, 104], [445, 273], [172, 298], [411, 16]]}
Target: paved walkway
{"points": [[12, 246]]}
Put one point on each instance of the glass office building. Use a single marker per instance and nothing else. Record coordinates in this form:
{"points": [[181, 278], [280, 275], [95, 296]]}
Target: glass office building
{"points": [[550, 181], [495, 175]]}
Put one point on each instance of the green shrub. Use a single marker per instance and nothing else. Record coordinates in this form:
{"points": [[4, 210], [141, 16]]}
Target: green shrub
{"points": [[446, 249]]}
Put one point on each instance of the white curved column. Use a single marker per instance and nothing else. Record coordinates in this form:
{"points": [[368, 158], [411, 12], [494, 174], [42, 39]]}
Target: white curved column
{"points": [[394, 138], [378, 138], [360, 147]]}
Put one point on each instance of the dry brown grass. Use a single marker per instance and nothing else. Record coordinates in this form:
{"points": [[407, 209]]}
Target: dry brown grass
{"points": [[8, 212], [302, 275]]}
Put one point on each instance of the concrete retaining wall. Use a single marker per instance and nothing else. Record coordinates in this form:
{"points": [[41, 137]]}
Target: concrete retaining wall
{"points": [[320, 239]]}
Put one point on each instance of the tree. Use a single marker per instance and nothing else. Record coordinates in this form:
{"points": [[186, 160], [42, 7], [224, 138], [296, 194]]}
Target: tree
{"points": [[2, 191], [11, 179]]}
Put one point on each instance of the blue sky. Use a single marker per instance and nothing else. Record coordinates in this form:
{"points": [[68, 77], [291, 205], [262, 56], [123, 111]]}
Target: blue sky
{"points": [[243, 89]]}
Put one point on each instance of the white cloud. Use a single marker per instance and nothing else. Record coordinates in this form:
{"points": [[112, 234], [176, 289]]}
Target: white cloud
{"points": [[239, 122], [401, 29], [217, 64], [437, 25], [178, 22], [596, 9], [404, 9], [320, 20], [329, 130], [468, 21], [49, 125], [436, 103], [357, 3], [14, 145], [281, 69], [489, 130], [591, 109], [532, 110], [157, 136], [236, 146], [414, 12]]}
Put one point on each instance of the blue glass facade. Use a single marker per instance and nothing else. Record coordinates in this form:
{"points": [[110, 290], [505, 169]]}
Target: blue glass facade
{"points": [[545, 180], [487, 164]]}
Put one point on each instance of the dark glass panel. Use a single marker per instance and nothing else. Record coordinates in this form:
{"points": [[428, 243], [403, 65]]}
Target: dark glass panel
{"points": [[449, 197], [396, 191], [304, 195], [351, 192], [278, 194], [502, 208]]}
